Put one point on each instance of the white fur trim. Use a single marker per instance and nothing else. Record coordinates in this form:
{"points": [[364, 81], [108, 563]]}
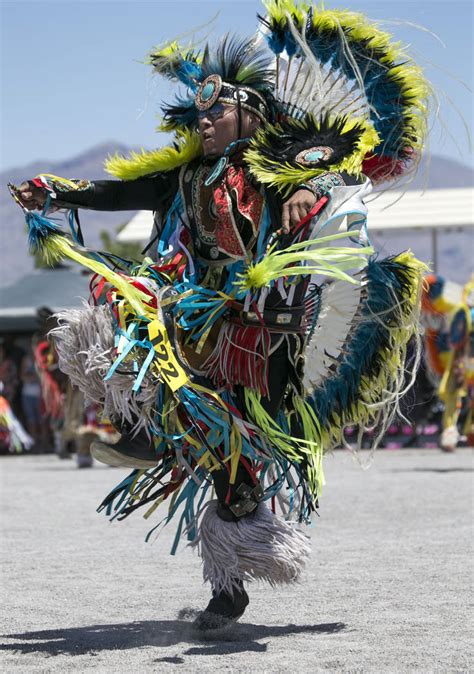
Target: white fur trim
{"points": [[260, 546]]}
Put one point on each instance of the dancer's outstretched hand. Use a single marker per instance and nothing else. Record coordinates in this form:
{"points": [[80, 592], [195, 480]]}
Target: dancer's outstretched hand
{"points": [[31, 196], [296, 208]]}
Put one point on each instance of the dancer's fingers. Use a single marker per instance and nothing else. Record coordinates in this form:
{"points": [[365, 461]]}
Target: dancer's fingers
{"points": [[285, 218]]}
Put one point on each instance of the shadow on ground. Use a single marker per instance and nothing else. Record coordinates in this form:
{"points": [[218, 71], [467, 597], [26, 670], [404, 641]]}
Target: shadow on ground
{"points": [[430, 470], [238, 638]]}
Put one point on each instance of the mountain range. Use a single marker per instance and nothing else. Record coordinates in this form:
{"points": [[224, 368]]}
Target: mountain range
{"points": [[15, 260]]}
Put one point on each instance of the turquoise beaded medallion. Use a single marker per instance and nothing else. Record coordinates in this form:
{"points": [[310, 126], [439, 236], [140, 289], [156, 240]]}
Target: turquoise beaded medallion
{"points": [[314, 155], [208, 92]]}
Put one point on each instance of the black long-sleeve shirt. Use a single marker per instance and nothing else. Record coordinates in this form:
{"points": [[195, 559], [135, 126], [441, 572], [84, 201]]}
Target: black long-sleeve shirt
{"points": [[147, 193]]}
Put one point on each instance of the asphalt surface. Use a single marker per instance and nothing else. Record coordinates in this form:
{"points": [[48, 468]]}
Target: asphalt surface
{"points": [[387, 589]]}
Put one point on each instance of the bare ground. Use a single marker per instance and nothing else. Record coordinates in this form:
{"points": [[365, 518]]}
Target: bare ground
{"points": [[387, 589]]}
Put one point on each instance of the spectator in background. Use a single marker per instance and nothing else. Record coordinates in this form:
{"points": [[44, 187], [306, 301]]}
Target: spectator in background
{"points": [[8, 374], [53, 381], [15, 353], [31, 396]]}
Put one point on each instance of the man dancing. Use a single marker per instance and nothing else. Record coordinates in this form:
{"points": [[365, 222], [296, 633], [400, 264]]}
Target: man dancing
{"points": [[258, 261]]}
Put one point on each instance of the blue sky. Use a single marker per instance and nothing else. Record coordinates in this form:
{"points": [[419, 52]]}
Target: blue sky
{"points": [[72, 76]]}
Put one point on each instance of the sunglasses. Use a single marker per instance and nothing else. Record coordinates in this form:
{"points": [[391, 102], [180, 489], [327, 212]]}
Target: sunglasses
{"points": [[216, 112]]}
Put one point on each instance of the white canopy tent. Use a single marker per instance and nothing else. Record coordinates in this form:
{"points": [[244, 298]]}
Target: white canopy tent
{"points": [[138, 229], [434, 210]]}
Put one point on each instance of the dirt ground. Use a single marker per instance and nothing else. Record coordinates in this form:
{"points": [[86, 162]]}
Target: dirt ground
{"points": [[388, 587]]}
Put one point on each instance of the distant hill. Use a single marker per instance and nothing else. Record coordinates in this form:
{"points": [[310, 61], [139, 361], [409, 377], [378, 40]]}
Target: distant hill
{"points": [[15, 260], [439, 172]]}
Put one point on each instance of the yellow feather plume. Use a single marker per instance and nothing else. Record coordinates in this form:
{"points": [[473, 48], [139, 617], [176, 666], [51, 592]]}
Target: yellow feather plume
{"points": [[187, 148]]}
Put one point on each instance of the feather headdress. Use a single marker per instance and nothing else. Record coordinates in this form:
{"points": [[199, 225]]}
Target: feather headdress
{"points": [[333, 63], [338, 93], [240, 62]]}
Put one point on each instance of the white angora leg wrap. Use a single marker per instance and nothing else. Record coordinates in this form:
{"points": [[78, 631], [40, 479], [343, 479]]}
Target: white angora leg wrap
{"points": [[260, 546]]}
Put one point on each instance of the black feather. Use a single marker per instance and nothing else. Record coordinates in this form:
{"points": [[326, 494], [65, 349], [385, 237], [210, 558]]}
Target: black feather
{"points": [[282, 142], [237, 61], [240, 61]]}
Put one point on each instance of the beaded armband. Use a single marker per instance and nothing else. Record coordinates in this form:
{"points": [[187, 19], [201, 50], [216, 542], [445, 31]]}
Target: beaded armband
{"points": [[55, 186], [58, 189], [323, 184]]}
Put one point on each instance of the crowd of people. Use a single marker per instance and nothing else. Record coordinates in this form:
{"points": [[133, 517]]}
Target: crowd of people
{"points": [[40, 411], [21, 393]]}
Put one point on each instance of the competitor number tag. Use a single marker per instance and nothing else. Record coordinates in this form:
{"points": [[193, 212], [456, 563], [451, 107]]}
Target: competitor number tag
{"points": [[169, 368]]}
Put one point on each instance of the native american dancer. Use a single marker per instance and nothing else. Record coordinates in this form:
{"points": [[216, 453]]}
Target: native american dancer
{"points": [[261, 323], [447, 315], [468, 367]]}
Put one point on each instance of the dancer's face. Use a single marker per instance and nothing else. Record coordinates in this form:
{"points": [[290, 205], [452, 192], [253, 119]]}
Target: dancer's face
{"points": [[219, 127]]}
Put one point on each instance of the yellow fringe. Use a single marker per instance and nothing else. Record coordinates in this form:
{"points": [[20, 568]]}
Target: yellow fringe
{"points": [[56, 247], [333, 262]]}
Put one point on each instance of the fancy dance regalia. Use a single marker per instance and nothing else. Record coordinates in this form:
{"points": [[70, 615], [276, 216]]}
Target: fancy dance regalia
{"points": [[447, 315], [240, 350], [468, 367]]}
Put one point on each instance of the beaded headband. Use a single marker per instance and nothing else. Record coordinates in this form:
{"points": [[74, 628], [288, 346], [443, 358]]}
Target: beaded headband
{"points": [[213, 89]]}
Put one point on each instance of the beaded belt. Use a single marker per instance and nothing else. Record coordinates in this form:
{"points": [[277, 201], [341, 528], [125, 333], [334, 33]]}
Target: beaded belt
{"points": [[285, 319]]}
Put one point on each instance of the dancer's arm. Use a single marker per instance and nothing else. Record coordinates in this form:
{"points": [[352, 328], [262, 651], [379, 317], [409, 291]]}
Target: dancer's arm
{"points": [[303, 199], [144, 193]]}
